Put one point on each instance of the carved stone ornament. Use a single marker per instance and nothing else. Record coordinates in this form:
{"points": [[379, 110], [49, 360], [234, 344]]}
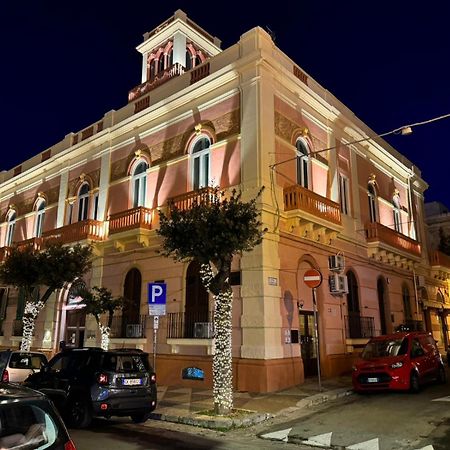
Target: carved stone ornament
{"points": [[138, 153], [372, 178], [198, 129], [82, 176]]}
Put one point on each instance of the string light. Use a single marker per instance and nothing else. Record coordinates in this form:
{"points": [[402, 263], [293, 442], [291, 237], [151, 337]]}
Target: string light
{"points": [[222, 358], [31, 311], [105, 332]]}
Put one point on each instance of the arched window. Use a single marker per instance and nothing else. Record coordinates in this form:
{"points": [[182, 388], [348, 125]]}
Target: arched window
{"points": [[170, 58], [200, 162], [354, 316], [132, 295], [188, 60], [197, 300], [396, 213], [83, 202], [153, 69], [161, 62], [10, 228], [139, 183], [198, 60], [372, 197], [302, 163], [39, 221], [406, 303]]}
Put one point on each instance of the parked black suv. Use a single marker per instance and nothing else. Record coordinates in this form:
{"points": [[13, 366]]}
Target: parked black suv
{"points": [[91, 382]]}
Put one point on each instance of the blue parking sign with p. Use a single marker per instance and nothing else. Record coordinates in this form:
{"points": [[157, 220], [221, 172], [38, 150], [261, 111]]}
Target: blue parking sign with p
{"points": [[157, 299]]}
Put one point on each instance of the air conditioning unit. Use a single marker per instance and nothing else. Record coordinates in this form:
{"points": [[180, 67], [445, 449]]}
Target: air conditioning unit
{"points": [[133, 330], [203, 330], [338, 284], [336, 263]]}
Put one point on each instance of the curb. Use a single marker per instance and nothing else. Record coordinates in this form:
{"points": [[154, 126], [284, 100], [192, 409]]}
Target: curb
{"points": [[214, 423], [318, 399]]}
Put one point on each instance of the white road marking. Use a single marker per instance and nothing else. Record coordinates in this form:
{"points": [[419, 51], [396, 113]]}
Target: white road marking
{"points": [[441, 399], [321, 440], [281, 435], [373, 444], [428, 447]]}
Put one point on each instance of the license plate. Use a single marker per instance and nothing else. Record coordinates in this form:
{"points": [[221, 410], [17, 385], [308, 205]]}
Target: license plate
{"points": [[372, 380], [131, 381]]}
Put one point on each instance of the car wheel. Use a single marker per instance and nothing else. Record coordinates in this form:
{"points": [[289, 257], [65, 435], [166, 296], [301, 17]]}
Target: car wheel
{"points": [[79, 413], [140, 417], [414, 384], [441, 377]]}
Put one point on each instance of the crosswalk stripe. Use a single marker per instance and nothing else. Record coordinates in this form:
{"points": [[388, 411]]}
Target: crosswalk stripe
{"points": [[442, 399], [321, 440], [281, 435], [373, 444]]}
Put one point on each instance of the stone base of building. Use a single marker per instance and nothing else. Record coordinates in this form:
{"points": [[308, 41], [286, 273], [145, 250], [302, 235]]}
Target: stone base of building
{"points": [[336, 365], [249, 375]]}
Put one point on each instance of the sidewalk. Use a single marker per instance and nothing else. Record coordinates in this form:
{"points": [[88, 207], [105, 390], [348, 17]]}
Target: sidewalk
{"points": [[183, 405]]}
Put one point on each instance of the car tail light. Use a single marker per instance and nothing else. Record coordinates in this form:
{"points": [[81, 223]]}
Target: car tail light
{"points": [[69, 445], [153, 378], [103, 378], [5, 376]]}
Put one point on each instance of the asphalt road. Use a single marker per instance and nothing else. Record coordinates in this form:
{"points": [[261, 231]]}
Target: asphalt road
{"points": [[384, 421]]}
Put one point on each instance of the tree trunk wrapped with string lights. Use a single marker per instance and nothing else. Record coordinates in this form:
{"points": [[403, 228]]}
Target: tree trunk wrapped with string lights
{"points": [[211, 231]]}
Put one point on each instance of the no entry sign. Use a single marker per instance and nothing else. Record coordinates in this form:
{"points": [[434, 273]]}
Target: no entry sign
{"points": [[312, 278]]}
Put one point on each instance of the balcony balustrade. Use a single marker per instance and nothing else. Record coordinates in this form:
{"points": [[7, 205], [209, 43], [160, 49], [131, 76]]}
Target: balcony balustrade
{"points": [[190, 325], [78, 231], [298, 197], [358, 327], [139, 217], [161, 78], [123, 327], [438, 258], [375, 232], [4, 252], [185, 201], [33, 243]]}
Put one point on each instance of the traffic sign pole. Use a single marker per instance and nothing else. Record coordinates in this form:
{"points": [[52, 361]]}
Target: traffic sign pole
{"points": [[316, 338], [155, 334], [313, 279]]}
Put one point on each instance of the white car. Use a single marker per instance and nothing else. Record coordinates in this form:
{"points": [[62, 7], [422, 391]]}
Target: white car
{"points": [[16, 366]]}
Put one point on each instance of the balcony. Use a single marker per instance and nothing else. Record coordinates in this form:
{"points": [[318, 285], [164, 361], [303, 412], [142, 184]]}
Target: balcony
{"points": [[358, 327], [131, 219], [440, 265], [75, 232], [388, 245], [123, 328], [310, 215], [161, 78], [185, 201], [33, 244], [190, 325], [4, 252]]}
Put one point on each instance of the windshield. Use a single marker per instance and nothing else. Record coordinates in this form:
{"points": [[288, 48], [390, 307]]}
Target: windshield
{"points": [[27, 361], [383, 348]]}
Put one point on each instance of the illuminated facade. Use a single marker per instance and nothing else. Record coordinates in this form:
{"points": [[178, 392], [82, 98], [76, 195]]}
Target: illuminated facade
{"points": [[243, 117]]}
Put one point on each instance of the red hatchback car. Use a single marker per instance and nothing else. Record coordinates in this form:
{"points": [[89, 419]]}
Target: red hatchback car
{"points": [[399, 361]]}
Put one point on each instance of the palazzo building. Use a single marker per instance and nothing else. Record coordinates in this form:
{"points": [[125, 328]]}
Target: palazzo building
{"points": [[244, 117]]}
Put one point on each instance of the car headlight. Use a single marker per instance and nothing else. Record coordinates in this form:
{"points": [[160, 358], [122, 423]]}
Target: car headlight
{"points": [[397, 365]]}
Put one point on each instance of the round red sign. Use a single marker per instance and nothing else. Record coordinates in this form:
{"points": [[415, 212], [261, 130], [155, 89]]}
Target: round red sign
{"points": [[312, 278]]}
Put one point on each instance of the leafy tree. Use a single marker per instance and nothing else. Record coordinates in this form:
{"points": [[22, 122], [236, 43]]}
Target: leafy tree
{"points": [[99, 301], [50, 269], [444, 242], [212, 231]]}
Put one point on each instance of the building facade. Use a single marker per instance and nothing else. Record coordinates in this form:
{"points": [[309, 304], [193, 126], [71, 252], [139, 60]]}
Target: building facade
{"points": [[244, 117]]}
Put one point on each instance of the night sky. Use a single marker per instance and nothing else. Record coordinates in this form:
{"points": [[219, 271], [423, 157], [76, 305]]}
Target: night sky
{"points": [[66, 63]]}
